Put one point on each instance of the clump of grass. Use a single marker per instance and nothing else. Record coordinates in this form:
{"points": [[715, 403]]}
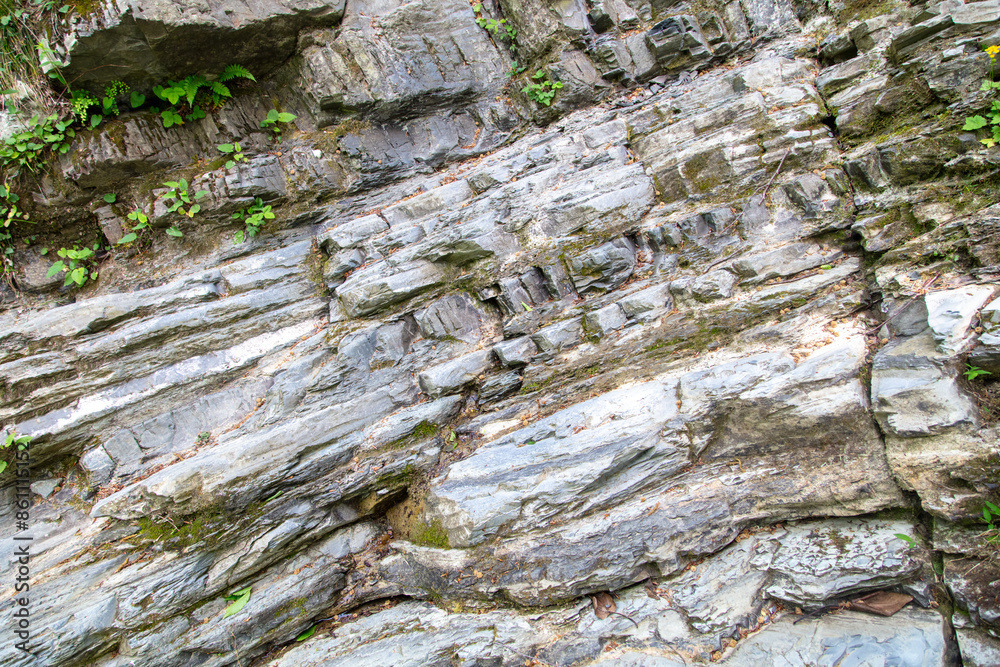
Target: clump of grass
{"points": [[25, 55]]}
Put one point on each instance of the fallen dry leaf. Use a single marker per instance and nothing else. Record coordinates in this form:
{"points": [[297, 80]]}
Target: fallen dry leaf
{"points": [[883, 603], [604, 605]]}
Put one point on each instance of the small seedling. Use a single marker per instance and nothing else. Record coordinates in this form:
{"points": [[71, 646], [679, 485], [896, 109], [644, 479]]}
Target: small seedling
{"points": [[22, 442], [972, 372], [906, 538], [179, 193], [542, 90], [234, 151], [253, 217], [273, 118], [78, 264]]}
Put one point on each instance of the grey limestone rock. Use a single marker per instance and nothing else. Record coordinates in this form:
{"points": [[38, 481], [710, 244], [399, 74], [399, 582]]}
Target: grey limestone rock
{"points": [[910, 637], [372, 289], [603, 321], [154, 41], [603, 268], [455, 375]]}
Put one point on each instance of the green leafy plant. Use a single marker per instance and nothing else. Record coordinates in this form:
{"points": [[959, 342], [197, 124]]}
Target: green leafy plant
{"points": [[22, 441], [26, 149], [972, 372], [501, 31], [78, 264], [273, 118], [181, 202], [141, 222], [991, 122], [302, 637], [196, 93], [240, 599], [25, 57], [9, 214], [235, 153], [253, 218], [542, 89], [906, 538]]}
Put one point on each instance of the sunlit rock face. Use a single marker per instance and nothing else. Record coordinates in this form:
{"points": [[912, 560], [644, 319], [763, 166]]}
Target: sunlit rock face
{"points": [[710, 339]]}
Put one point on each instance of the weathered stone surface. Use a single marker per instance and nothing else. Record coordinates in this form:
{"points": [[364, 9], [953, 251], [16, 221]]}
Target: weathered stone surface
{"points": [[371, 290], [559, 349], [910, 637], [815, 563], [452, 376], [153, 41]]}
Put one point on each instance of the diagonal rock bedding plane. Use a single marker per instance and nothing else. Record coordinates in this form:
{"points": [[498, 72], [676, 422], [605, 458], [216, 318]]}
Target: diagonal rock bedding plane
{"points": [[449, 322]]}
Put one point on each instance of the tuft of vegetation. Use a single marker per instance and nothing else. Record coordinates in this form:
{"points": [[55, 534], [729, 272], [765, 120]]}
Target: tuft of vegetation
{"points": [[79, 265], [27, 149], [972, 372], [990, 515], [502, 32], [234, 151], [253, 218], [181, 202], [991, 122], [22, 442], [273, 118], [542, 89], [431, 534], [191, 95]]}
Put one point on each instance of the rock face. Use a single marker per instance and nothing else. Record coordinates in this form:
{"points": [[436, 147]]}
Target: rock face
{"points": [[713, 337]]}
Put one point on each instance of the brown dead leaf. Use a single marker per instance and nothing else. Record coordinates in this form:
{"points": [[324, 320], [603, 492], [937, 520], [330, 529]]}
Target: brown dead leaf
{"points": [[652, 590], [604, 605], [883, 603]]}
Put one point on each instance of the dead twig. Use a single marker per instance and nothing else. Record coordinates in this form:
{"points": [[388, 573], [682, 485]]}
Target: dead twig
{"points": [[763, 196], [920, 292]]}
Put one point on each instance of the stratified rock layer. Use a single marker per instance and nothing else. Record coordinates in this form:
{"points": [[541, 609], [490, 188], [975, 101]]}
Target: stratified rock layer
{"points": [[700, 338]]}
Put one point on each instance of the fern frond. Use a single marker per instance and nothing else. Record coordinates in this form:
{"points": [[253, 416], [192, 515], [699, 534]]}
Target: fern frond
{"points": [[191, 85], [236, 72], [219, 89]]}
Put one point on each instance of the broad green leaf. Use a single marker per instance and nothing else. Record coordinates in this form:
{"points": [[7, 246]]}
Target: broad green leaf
{"points": [[238, 237], [137, 99], [79, 275], [128, 238], [301, 638], [110, 197], [226, 148], [974, 123], [230, 164], [3, 466], [240, 599], [96, 119], [194, 209], [173, 231], [200, 194], [285, 117], [55, 268], [272, 115]]}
